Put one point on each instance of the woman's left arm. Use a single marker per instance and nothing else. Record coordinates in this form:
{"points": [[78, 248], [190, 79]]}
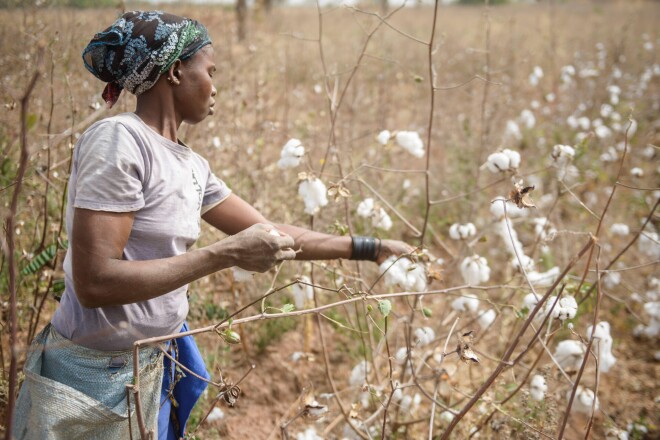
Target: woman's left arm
{"points": [[235, 214]]}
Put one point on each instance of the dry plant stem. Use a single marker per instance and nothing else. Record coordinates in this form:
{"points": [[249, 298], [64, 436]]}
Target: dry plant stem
{"points": [[623, 251], [586, 356], [437, 383], [335, 103], [505, 359], [427, 176], [11, 263], [607, 205], [392, 208]]}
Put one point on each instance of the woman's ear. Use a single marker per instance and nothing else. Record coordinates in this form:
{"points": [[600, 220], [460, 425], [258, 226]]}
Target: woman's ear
{"points": [[174, 73]]}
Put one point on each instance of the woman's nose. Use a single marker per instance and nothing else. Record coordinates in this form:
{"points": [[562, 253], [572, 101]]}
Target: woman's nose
{"points": [[214, 91]]}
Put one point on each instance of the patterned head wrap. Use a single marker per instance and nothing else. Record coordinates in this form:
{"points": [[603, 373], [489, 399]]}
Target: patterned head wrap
{"points": [[138, 47]]}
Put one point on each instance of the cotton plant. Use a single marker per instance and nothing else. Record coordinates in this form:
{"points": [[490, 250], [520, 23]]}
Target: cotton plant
{"points": [[404, 273], [411, 142], [379, 217], [313, 192], [603, 345], [459, 231], [475, 270], [538, 387], [291, 154], [566, 307], [503, 161]]}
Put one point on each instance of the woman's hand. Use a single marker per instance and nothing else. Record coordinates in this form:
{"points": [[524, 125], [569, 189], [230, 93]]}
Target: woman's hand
{"points": [[393, 247], [260, 247]]}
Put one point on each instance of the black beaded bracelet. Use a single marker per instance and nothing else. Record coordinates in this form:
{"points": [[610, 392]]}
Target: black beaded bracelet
{"points": [[364, 248]]}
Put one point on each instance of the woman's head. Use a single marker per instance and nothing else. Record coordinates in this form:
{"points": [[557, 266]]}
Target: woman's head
{"points": [[139, 47]]}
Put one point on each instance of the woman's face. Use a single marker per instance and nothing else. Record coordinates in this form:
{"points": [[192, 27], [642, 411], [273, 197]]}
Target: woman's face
{"points": [[195, 97]]}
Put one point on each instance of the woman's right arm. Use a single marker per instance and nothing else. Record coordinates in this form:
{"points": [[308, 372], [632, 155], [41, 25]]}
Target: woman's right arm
{"points": [[102, 278]]}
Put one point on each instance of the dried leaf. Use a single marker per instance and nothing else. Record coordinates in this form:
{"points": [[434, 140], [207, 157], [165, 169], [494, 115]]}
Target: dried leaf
{"points": [[464, 348], [338, 190], [354, 412], [520, 196]]}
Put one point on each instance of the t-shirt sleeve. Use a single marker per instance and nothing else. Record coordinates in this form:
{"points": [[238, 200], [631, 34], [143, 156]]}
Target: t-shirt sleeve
{"points": [[216, 190], [109, 170]]}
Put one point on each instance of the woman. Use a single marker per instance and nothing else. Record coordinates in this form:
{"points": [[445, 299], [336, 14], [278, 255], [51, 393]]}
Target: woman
{"points": [[136, 196]]}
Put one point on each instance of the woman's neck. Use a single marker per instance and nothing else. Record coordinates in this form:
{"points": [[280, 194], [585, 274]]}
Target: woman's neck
{"points": [[156, 109]]}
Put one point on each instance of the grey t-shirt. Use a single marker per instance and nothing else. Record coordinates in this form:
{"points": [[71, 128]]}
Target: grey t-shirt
{"points": [[120, 164]]}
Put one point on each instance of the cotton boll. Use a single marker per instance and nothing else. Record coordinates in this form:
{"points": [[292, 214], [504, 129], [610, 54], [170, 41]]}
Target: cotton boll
{"points": [[611, 279], [603, 344], [567, 74], [411, 142], [533, 80], [530, 301], [583, 401], [424, 336], [603, 132], [381, 220], [404, 273], [566, 309], [606, 110], [401, 355], [616, 434], [527, 262], [572, 122], [584, 123], [465, 303], [215, 414], [538, 71], [486, 318], [383, 137], [475, 270], [498, 162], [569, 354], [291, 154], [649, 244], [637, 172], [459, 231], [241, 275], [538, 387], [620, 229], [302, 292], [308, 434], [313, 192], [216, 142], [366, 208], [446, 417], [609, 156], [512, 211], [514, 158], [543, 279], [359, 374], [527, 119], [512, 131], [563, 153]]}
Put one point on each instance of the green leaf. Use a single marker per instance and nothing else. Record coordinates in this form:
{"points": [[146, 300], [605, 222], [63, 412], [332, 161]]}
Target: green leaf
{"points": [[31, 121], [427, 312], [286, 308], [385, 307]]}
